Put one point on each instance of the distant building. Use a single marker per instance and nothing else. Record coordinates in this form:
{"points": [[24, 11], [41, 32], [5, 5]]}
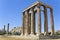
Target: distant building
{"points": [[16, 29], [58, 32]]}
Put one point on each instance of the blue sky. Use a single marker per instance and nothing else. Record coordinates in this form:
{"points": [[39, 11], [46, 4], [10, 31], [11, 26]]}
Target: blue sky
{"points": [[11, 12]]}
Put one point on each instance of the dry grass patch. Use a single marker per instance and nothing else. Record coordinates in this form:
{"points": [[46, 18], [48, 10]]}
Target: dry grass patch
{"points": [[8, 38]]}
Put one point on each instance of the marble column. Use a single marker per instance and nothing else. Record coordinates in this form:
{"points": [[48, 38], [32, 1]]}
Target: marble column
{"points": [[32, 21], [45, 21], [27, 22], [34, 24], [52, 21], [4, 29], [39, 19], [23, 23], [8, 28]]}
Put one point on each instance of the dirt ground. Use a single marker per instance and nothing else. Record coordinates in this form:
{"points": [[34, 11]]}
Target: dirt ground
{"points": [[16, 38]]}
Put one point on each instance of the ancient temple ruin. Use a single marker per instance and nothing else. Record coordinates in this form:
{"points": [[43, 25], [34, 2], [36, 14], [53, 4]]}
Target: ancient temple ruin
{"points": [[28, 19]]}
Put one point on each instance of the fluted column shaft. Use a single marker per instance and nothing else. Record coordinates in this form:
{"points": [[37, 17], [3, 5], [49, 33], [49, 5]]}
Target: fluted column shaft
{"points": [[23, 23], [45, 21], [39, 19], [32, 21], [27, 22], [52, 21]]}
